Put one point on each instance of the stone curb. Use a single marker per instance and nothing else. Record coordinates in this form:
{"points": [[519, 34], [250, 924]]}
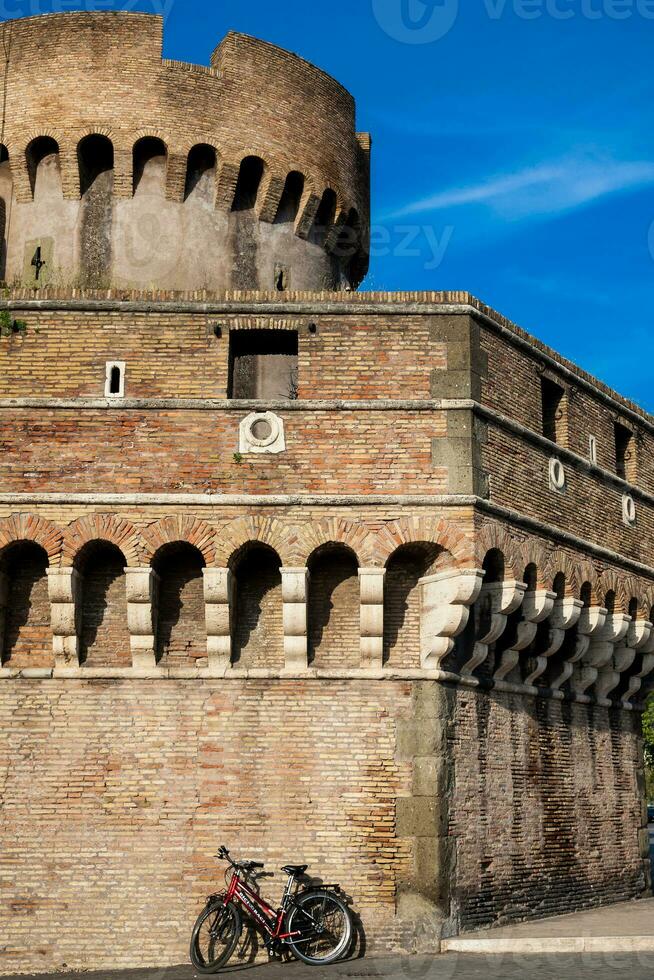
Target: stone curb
{"points": [[552, 944]]}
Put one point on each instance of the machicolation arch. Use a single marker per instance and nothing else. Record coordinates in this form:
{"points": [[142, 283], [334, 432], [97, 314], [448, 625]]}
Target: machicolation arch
{"points": [[153, 144]]}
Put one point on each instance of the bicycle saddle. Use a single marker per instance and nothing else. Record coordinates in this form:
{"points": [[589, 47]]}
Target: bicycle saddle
{"points": [[295, 869]]}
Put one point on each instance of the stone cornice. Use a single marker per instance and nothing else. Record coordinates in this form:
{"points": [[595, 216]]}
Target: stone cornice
{"points": [[385, 675], [236, 405]]}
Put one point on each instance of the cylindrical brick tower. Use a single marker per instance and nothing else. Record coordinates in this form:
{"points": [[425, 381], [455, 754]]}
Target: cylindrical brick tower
{"points": [[120, 169]]}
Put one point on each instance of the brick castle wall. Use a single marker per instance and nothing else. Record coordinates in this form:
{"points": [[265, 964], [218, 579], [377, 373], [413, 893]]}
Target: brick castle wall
{"points": [[116, 796], [543, 792], [441, 801], [114, 792]]}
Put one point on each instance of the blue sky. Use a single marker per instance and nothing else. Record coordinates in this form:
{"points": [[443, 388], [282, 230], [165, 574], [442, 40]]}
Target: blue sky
{"points": [[513, 151]]}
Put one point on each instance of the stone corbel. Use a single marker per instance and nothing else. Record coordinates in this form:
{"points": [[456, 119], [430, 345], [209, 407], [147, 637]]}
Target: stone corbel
{"points": [[637, 682], [497, 600], [536, 607], [565, 615], [219, 592], [591, 621], [623, 659], [371, 585], [142, 586], [600, 651], [446, 601], [294, 597], [64, 590]]}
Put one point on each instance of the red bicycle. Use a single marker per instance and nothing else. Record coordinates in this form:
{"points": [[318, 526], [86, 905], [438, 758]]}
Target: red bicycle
{"points": [[314, 923]]}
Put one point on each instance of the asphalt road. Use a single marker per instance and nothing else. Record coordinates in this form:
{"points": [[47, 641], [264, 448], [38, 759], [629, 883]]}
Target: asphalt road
{"points": [[453, 966]]}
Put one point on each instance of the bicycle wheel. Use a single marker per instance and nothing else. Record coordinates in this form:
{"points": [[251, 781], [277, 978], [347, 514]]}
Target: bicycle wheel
{"points": [[215, 936], [325, 926]]}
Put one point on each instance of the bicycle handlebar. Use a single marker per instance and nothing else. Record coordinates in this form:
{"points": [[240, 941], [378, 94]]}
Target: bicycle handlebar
{"points": [[223, 853]]}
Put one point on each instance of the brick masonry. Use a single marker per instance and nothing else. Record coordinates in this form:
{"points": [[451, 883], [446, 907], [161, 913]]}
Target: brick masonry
{"points": [[397, 648], [140, 784], [565, 776]]}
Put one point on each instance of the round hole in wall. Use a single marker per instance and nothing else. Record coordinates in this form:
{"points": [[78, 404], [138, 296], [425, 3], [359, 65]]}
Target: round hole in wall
{"points": [[313, 328], [557, 474], [628, 509], [261, 430]]}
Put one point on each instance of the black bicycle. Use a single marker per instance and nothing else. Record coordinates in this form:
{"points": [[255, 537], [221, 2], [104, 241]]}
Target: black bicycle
{"points": [[314, 923]]}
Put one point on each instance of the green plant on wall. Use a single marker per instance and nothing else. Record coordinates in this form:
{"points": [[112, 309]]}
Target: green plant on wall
{"points": [[9, 326], [648, 737]]}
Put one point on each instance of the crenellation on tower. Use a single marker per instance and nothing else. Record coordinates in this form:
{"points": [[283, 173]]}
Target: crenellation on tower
{"points": [[124, 167]]}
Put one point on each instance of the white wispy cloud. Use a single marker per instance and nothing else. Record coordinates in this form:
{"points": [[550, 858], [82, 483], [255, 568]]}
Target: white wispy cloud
{"points": [[537, 191]]}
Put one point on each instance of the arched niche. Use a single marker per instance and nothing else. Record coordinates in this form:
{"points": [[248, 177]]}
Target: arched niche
{"points": [[247, 186], [104, 639], [150, 165], [200, 187], [27, 633], [43, 168], [334, 615], [403, 601], [258, 635], [289, 203], [181, 619]]}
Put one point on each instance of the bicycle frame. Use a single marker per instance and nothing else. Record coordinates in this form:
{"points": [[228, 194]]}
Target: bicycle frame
{"points": [[271, 920]]}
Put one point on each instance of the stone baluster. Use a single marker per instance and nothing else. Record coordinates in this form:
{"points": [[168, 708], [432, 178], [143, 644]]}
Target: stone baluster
{"points": [[446, 601], [600, 651], [219, 593], [536, 607], [142, 588], [624, 657], [591, 621], [497, 600], [371, 585], [565, 615], [294, 596], [64, 590]]}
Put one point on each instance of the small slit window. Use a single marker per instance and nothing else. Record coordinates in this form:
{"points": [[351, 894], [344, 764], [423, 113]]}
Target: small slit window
{"points": [[625, 453], [114, 379], [592, 450], [554, 406]]}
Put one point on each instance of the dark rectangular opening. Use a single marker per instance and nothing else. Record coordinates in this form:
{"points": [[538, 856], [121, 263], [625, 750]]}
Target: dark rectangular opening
{"points": [[553, 404], [263, 364], [625, 456], [114, 381]]}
